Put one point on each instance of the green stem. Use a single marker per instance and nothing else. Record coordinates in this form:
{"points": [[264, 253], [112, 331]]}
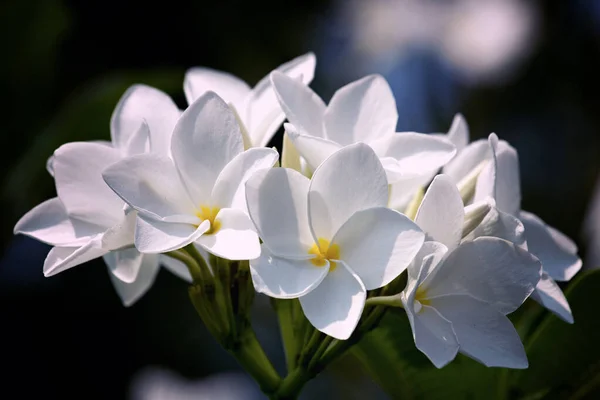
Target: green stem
{"points": [[393, 301], [185, 258], [284, 310], [203, 270], [251, 356]]}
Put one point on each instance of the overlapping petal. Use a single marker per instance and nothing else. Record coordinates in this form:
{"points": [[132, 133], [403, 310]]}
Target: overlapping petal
{"points": [[441, 214], [361, 111], [205, 139], [315, 150], [277, 204], [350, 180], [133, 291], [458, 133], [124, 264], [230, 88], [152, 236], [335, 306], [285, 278], [60, 259], [378, 244]]}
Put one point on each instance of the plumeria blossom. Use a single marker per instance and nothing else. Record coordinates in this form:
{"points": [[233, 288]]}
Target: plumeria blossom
{"points": [[363, 111], [457, 299], [491, 168], [328, 240], [257, 109], [87, 220], [198, 194]]}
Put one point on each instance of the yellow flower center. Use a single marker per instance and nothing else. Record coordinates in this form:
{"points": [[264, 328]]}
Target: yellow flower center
{"points": [[209, 214], [421, 300], [324, 252]]}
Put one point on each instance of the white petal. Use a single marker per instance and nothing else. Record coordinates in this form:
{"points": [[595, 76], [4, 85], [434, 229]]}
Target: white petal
{"points": [[459, 132], [433, 335], [501, 225], [285, 278], [467, 160], [489, 269], [361, 111], [549, 295], [415, 153], [152, 236], [48, 222], [264, 113], [277, 204], [151, 185], [302, 107], [441, 213], [124, 264], [229, 190], [144, 103], [314, 149], [206, 138], [419, 270], [230, 88], [557, 252], [60, 259], [378, 244], [403, 191], [120, 235], [350, 180], [236, 238], [507, 181], [335, 306], [177, 267], [139, 142], [78, 170], [483, 333], [132, 292]]}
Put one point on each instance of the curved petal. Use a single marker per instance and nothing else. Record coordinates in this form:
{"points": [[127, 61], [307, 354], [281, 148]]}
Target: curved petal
{"points": [[441, 214], [549, 295], [78, 170], [557, 252], [433, 335], [489, 269], [350, 180], [124, 264], [230, 88], [467, 160], [361, 111], [132, 292], [139, 142], [458, 133], [177, 267], [415, 153], [507, 183], [285, 278], [378, 244], [151, 185], [301, 105], [335, 306], [264, 115], [144, 103], [426, 261], [501, 225], [152, 236], [48, 222], [277, 204], [229, 190], [483, 333], [314, 149], [60, 259], [206, 138], [121, 235], [236, 239]]}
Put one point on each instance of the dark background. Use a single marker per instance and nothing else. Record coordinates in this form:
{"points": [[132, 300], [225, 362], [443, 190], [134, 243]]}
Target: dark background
{"points": [[64, 66]]}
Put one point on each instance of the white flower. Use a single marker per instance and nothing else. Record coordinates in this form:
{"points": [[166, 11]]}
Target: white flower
{"points": [[457, 300], [257, 109], [198, 195], [363, 111], [491, 168], [330, 239], [87, 220]]}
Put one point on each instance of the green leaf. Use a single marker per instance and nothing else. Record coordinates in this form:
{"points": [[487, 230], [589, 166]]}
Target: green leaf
{"points": [[84, 116], [564, 360], [389, 356]]}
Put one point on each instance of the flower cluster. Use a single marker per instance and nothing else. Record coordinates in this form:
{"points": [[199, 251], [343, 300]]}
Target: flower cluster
{"points": [[354, 205]]}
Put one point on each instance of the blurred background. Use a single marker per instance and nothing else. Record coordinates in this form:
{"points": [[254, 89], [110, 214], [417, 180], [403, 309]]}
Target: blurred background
{"points": [[527, 70]]}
